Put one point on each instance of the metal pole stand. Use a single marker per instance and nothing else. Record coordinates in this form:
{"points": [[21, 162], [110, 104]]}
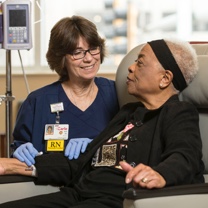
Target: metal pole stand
{"points": [[8, 98]]}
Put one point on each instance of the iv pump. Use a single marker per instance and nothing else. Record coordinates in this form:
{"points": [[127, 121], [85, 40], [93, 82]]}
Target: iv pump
{"points": [[16, 28]]}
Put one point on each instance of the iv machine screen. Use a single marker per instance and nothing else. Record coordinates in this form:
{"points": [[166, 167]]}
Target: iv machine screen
{"points": [[17, 18]]}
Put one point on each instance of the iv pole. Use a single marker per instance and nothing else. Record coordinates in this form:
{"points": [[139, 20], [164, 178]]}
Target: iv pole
{"points": [[8, 98], [8, 102]]}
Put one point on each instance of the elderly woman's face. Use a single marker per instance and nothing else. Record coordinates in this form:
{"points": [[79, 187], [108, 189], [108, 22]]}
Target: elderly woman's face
{"points": [[145, 74], [85, 68]]}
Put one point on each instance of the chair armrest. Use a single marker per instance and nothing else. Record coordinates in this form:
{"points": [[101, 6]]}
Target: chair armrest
{"points": [[139, 193], [15, 179], [17, 187], [190, 196]]}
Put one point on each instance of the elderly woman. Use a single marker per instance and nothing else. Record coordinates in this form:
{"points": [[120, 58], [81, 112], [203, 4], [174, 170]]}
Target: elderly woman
{"points": [[79, 102], [152, 143]]}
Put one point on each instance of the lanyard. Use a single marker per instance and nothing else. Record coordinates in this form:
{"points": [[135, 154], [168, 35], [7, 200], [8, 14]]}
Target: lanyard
{"points": [[57, 117], [56, 108]]}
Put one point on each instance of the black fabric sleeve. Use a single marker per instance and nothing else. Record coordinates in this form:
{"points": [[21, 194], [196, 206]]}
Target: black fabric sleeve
{"points": [[53, 169], [182, 147]]}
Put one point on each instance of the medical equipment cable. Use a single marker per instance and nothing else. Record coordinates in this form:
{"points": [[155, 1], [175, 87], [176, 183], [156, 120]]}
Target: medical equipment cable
{"points": [[23, 71]]}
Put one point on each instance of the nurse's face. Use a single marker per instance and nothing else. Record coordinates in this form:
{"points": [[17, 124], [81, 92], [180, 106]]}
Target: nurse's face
{"points": [[84, 68]]}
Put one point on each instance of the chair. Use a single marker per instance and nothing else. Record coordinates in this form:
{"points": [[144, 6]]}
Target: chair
{"points": [[185, 196]]}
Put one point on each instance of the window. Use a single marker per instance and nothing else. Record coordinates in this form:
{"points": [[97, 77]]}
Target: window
{"points": [[129, 23]]}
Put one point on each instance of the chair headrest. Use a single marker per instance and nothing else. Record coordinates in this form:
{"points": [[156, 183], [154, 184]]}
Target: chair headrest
{"points": [[197, 91], [201, 48], [121, 76]]}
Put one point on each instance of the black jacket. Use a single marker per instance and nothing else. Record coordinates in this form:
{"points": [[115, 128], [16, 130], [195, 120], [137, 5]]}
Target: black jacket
{"points": [[167, 139]]}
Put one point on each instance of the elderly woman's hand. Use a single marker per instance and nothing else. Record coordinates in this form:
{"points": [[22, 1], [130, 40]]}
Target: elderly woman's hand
{"points": [[143, 176]]}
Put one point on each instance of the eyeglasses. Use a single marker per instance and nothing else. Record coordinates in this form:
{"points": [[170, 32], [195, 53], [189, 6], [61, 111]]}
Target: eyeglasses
{"points": [[79, 54]]}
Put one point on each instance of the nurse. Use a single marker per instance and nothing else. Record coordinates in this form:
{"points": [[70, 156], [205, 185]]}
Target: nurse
{"points": [[78, 106]]}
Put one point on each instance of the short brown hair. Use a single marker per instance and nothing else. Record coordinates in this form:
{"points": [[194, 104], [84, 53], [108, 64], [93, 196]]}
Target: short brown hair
{"points": [[64, 39]]}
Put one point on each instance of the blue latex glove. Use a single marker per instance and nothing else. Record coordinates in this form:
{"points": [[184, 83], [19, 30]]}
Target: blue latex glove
{"points": [[26, 153], [75, 146]]}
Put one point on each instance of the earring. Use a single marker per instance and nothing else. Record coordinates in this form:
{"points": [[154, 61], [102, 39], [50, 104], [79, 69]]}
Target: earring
{"points": [[161, 85]]}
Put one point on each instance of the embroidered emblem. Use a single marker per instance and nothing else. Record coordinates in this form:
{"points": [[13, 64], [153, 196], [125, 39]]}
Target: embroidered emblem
{"points": [[108, 156]]}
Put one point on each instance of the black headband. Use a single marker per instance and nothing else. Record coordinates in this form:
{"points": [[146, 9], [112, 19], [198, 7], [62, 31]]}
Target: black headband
{"points": [[168, 62]]}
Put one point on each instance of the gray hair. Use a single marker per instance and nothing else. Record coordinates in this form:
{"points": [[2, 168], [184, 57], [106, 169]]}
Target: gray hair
{"points": [[186, 58]]}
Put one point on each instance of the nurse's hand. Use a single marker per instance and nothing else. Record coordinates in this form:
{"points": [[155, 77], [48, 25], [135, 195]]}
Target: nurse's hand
{"points": [[75, 146], [26, 153]]}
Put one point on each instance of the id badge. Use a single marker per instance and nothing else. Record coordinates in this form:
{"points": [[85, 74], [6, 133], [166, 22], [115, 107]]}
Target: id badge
{"points": [[55, 136]]}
